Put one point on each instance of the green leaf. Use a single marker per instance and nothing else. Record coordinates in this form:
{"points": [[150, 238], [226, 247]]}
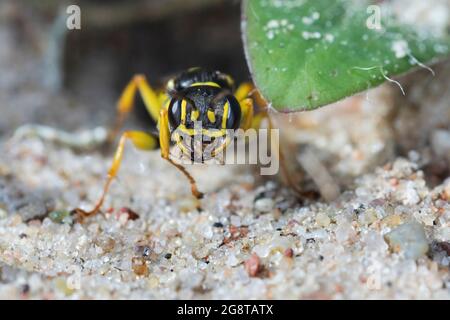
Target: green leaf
{"points": [[304, 54]]}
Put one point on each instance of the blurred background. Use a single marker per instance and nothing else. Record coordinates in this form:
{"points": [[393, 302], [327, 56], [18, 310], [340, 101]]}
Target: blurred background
{"points": [[72, 78]]}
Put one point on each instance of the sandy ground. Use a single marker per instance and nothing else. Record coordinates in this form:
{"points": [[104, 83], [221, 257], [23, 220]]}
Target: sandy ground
{"points": [[385, 236]]}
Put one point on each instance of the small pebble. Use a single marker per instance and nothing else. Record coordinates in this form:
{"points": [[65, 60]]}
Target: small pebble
{"points": [[218, 225], [139, 266], [289, 253], [106, 243], [409, 194], [323, 220], [344, 232], [131, 214], [59, 216], [143, 250], [153, 281], [146, 252], [264, 205], [409, 238], [393, 220], [253, 265]]}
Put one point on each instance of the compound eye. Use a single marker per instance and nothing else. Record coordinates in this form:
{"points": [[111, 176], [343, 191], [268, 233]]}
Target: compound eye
{"points": [[175, 113], [234, 113]]}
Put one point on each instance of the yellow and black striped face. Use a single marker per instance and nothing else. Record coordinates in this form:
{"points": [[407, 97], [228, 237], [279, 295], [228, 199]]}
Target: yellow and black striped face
{"points": [[201, 118]]}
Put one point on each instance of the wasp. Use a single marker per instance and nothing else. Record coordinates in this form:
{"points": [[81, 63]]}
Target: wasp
{"points": [[195, 95]]}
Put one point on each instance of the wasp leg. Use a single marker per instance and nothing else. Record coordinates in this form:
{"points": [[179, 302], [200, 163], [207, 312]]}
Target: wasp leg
{"points": [[287, 176], [125, 104], [244, 91], [164, 141], [247, 113], [140, 140], [257, 119], [248, 90], [248, 96]]}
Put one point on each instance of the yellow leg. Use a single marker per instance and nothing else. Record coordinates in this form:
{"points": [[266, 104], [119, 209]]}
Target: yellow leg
{"points": [[257, 119], [125, 104], [248, 90], [247, 95], [164, 141], [140, 140], [247, 113], [164, 99], [244, 91], [249, 120]]}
